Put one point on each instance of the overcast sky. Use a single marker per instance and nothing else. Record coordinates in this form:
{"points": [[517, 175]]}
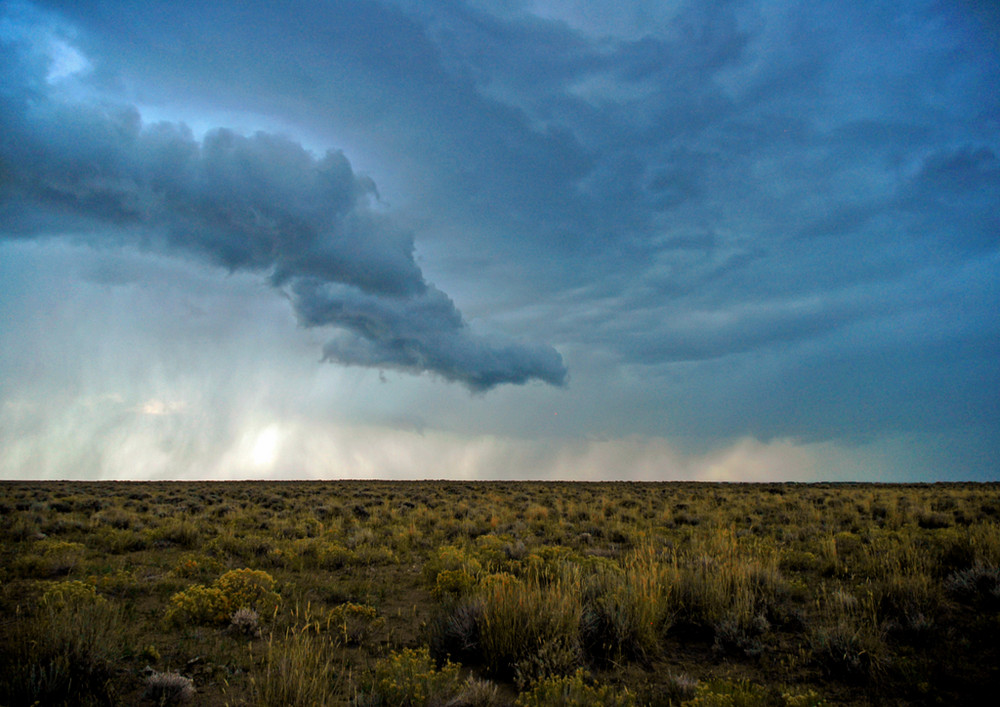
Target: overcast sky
{"points": [[500, 238]]}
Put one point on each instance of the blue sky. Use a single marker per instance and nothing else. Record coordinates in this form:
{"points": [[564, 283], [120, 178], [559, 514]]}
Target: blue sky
{"points": [[639, 240]]}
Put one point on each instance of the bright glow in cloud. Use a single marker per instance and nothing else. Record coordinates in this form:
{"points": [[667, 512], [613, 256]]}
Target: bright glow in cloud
{"points": [[301, 448], [266, 446], [66, 61], [155, 406]]}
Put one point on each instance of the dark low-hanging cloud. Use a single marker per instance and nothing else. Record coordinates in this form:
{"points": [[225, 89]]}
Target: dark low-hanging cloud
{"points": [[417, 334], [259, 203]]}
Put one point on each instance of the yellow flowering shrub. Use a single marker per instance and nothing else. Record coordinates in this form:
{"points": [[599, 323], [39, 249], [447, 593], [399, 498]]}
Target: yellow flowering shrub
{"points": [[198, 604], [452, 584], [236, 589], [450, 557], [250, 589], [724, 693], [574, 691], [409, 678]]}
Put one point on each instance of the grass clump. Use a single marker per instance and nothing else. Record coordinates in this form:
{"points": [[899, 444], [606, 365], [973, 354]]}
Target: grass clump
{"points": [[298, 670], [978, 585], [719, 579], [850, 643], [531, 626], [627, 609], [353, 624], [65, 653]]}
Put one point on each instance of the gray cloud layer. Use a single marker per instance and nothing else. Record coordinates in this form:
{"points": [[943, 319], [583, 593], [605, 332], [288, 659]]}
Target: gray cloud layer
{"points": [[260, 203], [736, 217]]}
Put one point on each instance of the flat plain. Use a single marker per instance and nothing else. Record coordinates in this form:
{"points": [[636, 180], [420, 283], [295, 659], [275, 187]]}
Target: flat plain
{"points": [[498, 593]]}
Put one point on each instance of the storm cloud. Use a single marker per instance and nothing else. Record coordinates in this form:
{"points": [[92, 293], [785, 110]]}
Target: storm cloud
{"points": [[740, 222], [259, 203]]}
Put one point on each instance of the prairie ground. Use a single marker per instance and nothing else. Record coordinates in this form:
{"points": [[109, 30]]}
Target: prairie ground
{"points": [[498, 593]]}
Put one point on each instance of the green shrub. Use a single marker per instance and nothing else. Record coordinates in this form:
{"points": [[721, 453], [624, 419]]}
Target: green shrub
{"points": [[252, 589], [451, 558], [372, 555], [247, 547], [192, 566], [70, 596], [183, 533], [352, 623], [118, 542], [799, 561], [50, 558], [496, 552], [332, 556]]}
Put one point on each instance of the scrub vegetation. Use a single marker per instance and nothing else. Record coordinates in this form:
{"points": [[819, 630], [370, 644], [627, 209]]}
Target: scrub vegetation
{"points": [[498, 593]]}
